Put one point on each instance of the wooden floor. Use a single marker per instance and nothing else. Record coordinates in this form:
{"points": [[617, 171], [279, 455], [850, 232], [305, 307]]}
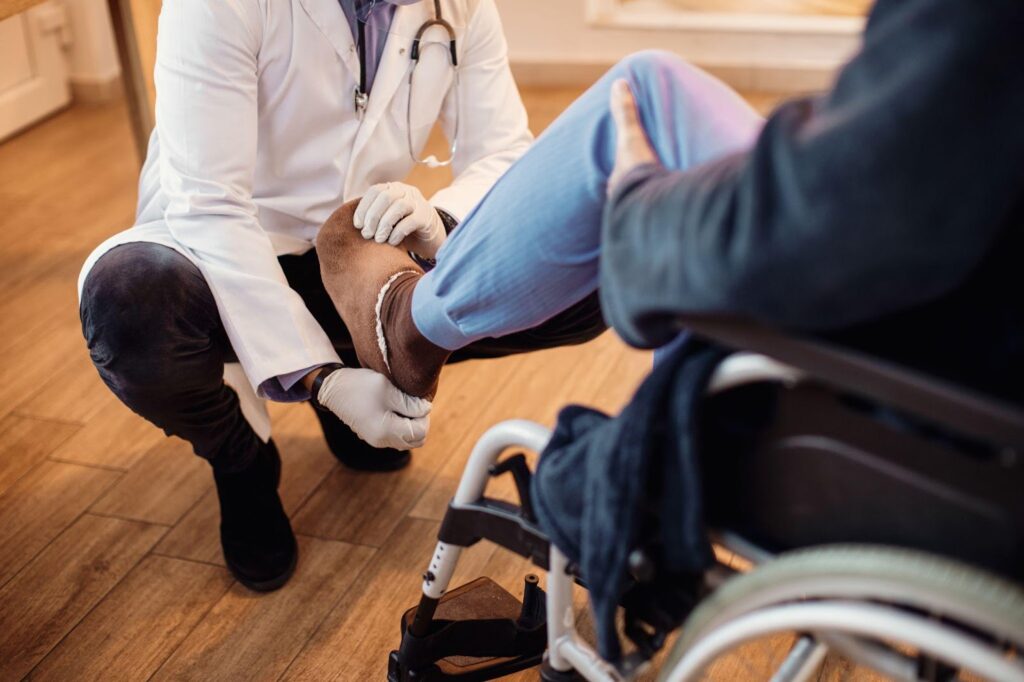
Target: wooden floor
{"points": [[110, 566]]}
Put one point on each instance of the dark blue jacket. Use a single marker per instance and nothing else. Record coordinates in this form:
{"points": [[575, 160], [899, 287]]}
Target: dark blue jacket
{"points": [[888, 213]]}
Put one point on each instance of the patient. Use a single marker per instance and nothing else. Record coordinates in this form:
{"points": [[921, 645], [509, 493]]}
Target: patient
{"points": [[886, 213]]}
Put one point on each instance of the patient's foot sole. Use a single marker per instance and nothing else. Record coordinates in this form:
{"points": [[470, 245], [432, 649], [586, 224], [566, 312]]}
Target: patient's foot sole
{"points": [[371, 285]]}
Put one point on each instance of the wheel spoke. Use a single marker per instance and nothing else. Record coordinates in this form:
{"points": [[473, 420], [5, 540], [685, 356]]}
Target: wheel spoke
{"points": [[803, 661], [870, 654]]}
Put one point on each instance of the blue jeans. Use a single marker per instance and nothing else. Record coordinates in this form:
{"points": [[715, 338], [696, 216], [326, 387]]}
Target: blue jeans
{"points": [[530, 249]]}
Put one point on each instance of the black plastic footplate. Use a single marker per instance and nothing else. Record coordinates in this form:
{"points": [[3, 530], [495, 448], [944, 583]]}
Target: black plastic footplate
{"points": [[478, 631]]}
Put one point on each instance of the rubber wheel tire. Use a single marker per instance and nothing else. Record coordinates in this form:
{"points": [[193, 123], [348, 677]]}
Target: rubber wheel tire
{"points": [[969, 595]]}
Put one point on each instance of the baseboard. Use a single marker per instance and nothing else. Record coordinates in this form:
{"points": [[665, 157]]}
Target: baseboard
{"points": [[783, 78], [795, 78], [91, 90]]}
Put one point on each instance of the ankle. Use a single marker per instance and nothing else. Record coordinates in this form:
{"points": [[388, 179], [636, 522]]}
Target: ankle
{"points": [[413, 361], [240, 454], [260, 473]]}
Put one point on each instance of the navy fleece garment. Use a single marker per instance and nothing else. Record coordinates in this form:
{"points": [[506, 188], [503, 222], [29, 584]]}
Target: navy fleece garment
{"points": [[598, 475]]}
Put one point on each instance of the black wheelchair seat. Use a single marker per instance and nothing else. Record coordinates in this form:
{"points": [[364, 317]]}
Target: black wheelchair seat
{"points": [[863, 452]]}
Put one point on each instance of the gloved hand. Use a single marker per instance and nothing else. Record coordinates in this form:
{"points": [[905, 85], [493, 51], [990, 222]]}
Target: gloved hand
{"points": [[374, 409], [391, 211]]}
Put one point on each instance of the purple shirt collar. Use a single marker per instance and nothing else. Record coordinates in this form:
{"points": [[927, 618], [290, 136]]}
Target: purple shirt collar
{"points": [[378, 23]]}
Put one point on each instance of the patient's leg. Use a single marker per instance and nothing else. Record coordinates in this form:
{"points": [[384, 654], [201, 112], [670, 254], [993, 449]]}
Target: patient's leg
{"points": [[530, 249]]}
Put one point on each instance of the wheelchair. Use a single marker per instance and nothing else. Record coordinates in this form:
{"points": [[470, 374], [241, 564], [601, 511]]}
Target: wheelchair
{"points": [[877, 519]]}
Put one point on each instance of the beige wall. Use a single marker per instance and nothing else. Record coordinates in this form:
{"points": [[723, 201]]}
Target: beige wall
{"points": [[93, 67], [796, 7], [550, 41]]}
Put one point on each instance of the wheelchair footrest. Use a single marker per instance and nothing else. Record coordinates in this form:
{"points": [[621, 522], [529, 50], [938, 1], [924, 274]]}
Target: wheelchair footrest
{"points": [[479, 631]]}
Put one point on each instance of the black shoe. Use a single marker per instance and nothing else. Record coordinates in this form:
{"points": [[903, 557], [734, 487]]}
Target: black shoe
{"points": [[356, 453], [257, 539]]}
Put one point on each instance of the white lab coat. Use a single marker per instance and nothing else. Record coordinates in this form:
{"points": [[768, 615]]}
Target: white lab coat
{"points": [[257, 142]]}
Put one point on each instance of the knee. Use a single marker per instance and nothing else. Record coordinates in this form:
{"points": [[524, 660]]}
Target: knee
{"points": [[132, 283], [651, 65], [136, 297]]}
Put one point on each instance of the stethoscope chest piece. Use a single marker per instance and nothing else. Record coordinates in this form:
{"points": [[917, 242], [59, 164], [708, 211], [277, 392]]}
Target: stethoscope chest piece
{"points": [[360, 99]]}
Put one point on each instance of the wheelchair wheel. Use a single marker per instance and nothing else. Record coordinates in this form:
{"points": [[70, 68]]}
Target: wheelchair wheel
{"points": [[899, 613]]}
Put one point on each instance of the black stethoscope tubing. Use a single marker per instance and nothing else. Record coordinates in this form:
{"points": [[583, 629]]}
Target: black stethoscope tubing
{"points": [[438, 20], [362, 97], [414, 53]]}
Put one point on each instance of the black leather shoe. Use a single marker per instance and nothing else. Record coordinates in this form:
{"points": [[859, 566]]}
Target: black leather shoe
{"points": [[356, 453], [257, 539]]}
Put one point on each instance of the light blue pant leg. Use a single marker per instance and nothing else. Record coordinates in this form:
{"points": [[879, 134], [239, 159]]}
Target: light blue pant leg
{"points": [[530, 249]]}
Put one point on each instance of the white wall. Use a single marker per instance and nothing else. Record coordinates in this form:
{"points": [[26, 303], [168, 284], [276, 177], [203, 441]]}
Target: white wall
{"points": [[92, 56], [551, 40]]}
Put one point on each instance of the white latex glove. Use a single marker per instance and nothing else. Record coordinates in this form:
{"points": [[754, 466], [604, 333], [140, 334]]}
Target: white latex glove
{"points": [[374, 409], [391, 211]]}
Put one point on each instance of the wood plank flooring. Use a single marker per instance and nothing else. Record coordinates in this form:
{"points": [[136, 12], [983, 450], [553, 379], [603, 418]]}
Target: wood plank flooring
{"points": [[110, 564]]}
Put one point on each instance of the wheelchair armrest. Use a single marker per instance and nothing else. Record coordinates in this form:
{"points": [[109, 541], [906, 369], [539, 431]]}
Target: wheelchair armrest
{"points": [[964, 410]]}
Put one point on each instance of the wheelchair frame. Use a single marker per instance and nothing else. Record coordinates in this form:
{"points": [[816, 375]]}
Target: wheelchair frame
{"points": [[848, 627], [566, 651]]}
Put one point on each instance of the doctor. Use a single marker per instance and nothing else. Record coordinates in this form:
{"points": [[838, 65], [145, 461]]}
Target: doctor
{"points": [[270, 114]]}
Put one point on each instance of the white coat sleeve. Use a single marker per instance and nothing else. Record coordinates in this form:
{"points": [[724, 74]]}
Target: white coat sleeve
{"points": [[493, 126], [206, 77]]}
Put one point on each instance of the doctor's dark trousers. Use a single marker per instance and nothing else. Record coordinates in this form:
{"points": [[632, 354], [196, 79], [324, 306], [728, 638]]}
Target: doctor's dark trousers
{"points": [[157, 340]]}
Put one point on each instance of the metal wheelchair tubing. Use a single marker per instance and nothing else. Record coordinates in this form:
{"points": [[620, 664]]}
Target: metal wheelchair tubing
{"points": [[740, 369], [850, 584], [507, 434], [566, 651], [869, 620]]}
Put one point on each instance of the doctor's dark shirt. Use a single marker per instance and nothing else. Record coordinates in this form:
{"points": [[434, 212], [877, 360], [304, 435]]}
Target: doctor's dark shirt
{"points": [[378, 15]]}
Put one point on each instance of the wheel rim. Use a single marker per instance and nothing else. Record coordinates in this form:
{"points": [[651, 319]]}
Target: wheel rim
{"points": [[867, 620], [904, 581]]}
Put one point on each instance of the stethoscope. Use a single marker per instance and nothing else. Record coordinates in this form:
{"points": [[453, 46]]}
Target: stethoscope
{"points": [[362, 97]]}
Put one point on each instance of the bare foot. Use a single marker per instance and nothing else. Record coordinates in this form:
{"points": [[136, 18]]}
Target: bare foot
{"points": [[371, 285]]}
